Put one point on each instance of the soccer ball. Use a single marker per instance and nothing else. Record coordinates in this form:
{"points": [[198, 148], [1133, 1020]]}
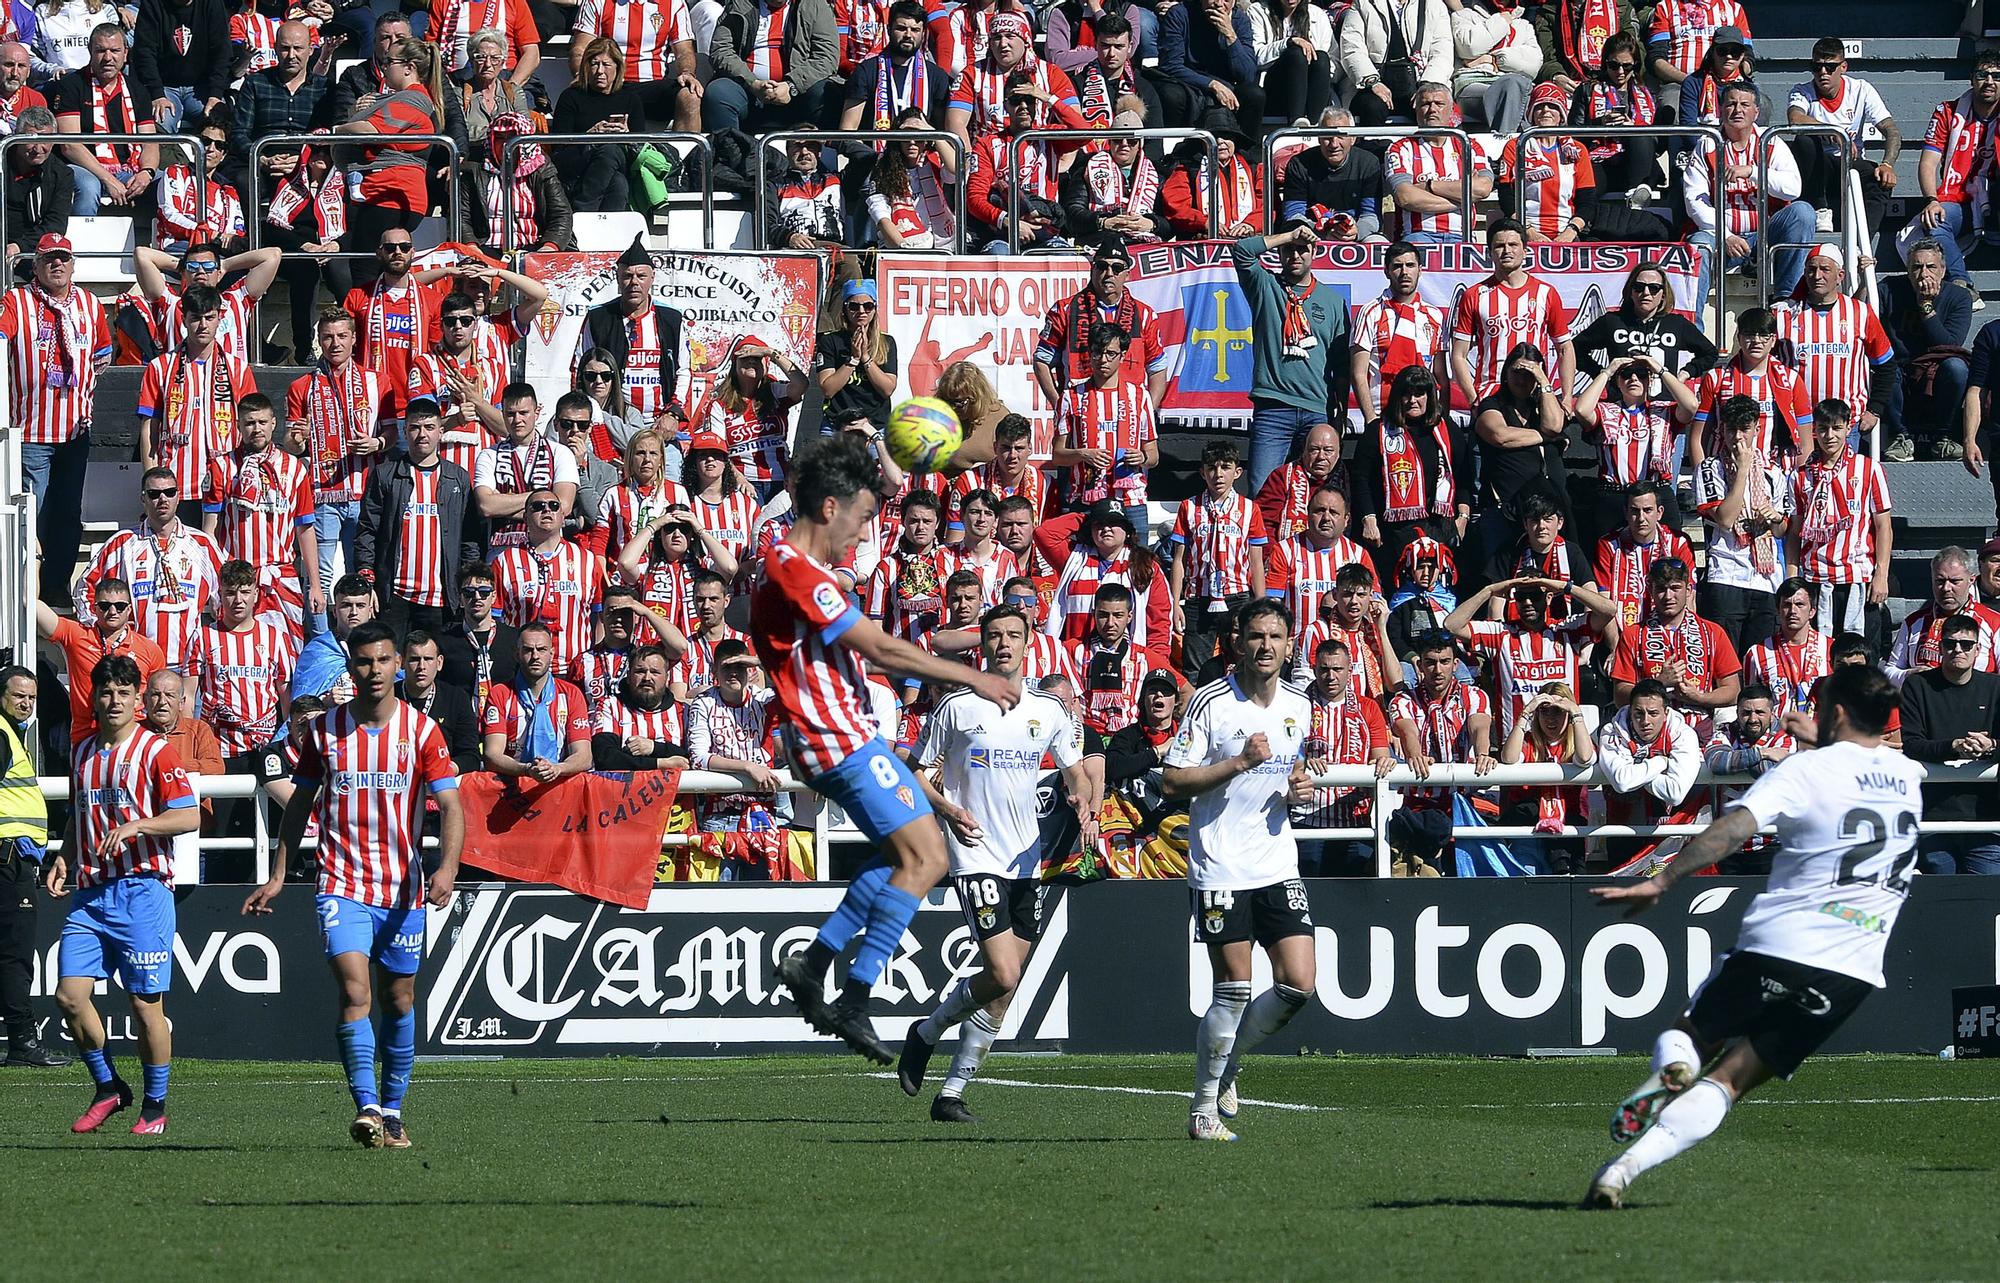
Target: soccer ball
{"points": [[923, 434]]}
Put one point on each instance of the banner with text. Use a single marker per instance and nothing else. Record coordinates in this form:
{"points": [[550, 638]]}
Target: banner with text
{"points": [[597, 834], [773, 295], [989, 311]]}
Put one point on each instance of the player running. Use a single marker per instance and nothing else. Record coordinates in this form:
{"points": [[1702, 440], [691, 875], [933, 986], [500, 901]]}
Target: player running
{"points": [[813, 640], [1811, 944], [364, 769], [1238, 757], [129, 797], [989, 764]]}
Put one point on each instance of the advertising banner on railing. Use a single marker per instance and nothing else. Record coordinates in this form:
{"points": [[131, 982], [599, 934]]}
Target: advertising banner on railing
{"points": [[723, 296], [989, 311]]}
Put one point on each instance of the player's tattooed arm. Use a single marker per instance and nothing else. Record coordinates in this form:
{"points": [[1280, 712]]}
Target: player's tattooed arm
{"points": [[1719, 839]]}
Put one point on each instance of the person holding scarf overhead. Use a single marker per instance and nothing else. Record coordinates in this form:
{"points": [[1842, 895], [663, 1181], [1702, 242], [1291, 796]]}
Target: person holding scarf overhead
{"points": [[1299, 349], [1406, 469]]}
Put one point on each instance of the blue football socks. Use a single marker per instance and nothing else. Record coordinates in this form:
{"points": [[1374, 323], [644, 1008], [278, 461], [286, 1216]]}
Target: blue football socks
{"points": [[888, 918], [855, 907], [399, 1057], [101, 1072], [156, 1086], [357, 1054]]}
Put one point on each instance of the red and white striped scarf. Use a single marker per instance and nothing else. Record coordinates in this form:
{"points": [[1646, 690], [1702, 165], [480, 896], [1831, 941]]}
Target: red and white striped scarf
{"points": [[1239, 192], [1110, 189], [1968, 150], [328, 202], [1406, 494]]}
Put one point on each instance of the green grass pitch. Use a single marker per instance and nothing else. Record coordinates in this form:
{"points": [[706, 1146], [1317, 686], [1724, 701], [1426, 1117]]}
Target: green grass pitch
{"points": [[794, 1168]]}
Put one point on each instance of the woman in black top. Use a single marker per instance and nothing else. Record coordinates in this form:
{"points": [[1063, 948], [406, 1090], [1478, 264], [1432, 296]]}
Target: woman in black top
{"points": [[600, 102], [1645, 322], [856, 365], [1520, 432]]}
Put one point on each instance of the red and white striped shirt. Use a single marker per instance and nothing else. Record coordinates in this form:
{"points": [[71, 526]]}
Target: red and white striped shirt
{"points": [[193, 408], [958, 37], [1443, 728], [262, 501], [181, 220], [756, 435], [340, 410], [111, 785], [1836, 509], [173, 580], [1118, 419], [662, 725], [1779, 393], [1687, 29], [626, 509], [1550, 175], [257, 34], [1622, 567], [239, 675], [1420, 160], [485, 371], [742, 732], [1116, 704], [1032, 484], [646, 33], [393, 326], [1915, 645], [507, 713], [232, 335], [419, 573], [642, 364], [797, 614], [695, 670], [1396, 335], [906, 592], [1833, 349], [1523, 663], [598, 671], [559, 588], [51, 361], [1634, 442], [372, 788], [1302, 576], [1791, 669], [1047, 657], [1493, 318], [994, 570], [1218, 536], [1373, 671], [1745, 204], [281, 602], [732, 519]]}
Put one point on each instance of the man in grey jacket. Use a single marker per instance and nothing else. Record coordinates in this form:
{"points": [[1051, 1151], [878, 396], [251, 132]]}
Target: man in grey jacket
{"points": [[759, 85], [412, 544]]}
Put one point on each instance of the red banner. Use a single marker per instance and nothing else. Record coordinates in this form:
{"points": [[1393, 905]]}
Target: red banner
{"points": [[596, 835]]}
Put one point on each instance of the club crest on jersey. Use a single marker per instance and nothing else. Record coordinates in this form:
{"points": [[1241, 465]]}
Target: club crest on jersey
{"points": [[1291, 728], [907, 798], [1034, 729]]}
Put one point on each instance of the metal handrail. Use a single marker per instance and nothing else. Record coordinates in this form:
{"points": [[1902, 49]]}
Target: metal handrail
{"points": [[253, 221], [1765, 248], [601, 140], [765, 142], [192, 144], [1463, 138], [1016, 142], [1614, 132]]}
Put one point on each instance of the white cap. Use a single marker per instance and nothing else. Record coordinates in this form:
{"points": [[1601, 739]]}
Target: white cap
{"points": [[1827, 249]]}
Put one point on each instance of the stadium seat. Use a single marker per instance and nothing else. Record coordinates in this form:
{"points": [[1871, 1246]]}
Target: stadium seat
{"points": [[607, 231], [103, 250]]}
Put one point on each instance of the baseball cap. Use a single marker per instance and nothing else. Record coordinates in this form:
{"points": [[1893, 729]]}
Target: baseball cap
{"points": [[1992, 547], [1730, 35], [707, 441], [53, 243]]}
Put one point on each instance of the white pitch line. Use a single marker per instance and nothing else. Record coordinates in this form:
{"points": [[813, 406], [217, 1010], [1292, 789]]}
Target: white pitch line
{"points": [[1145, 1091]]}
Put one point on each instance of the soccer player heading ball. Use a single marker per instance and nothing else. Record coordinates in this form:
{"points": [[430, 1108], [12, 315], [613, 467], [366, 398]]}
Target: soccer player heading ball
{"points": [[1812, 942], [814, 643]]}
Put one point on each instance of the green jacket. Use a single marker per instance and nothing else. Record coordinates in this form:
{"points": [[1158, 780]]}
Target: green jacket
{"points": [[1316, 382]]}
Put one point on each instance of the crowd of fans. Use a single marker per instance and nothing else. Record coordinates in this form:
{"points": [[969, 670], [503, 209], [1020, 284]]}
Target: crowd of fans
{"points": [[570, 579]]}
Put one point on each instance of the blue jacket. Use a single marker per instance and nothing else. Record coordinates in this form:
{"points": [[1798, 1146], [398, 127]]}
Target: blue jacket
{"points": [[1193, 52], [322, 663]]}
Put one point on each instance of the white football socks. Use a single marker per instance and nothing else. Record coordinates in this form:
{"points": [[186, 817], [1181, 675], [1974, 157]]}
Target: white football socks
{"points": [[957, 1005], [1272, 1010], [1216, 1039], [1690, 1118], [974, 1041], [1674, 1047]]}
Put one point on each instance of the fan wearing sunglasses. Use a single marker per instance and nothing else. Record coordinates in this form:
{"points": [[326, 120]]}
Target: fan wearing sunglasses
{"points": [[1645, 324], [1951, 712], [465, 378], [110, 633], [174, 569], [1832, 97]]}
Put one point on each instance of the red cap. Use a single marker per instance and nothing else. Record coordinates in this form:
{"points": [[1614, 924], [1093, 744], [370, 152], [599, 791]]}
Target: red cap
{"points": [[707, 441], [54, 244], [1992, 546]]}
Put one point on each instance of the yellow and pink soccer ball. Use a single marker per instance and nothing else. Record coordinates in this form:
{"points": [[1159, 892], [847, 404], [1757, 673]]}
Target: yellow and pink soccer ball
{"points": [[924, 434]]}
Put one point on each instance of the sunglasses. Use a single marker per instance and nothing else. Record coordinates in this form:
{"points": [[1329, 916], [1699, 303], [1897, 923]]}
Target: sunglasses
{"points": [[203, 265], [396, 247], [573, 425], [545, 505], [597, 376], [1621, 65], [860, 307], [1959, 643], [1986, 75], [479, 590], [112, 607], [214, 144], [456, 322], [160, 494], [1648, 287], [1828, 66], [1731, 51]]}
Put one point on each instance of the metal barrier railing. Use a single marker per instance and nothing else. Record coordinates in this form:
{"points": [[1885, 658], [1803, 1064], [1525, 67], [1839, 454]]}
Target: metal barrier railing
{"points": [[1614, 132], [1765, 247], [20, 568], [765, 142], [1314, 134], [544, 141], [255, 207], [188, 143], [1093, 135]]}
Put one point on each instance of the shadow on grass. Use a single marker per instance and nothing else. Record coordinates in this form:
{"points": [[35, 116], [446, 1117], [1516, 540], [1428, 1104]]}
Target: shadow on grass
{"points": [[963, 1139], [648, 1204], [1504, 1204], [774, 1120], [107, 1146]]}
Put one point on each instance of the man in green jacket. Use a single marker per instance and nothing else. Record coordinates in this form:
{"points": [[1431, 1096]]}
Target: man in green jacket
{"points": [[1299, 375]]}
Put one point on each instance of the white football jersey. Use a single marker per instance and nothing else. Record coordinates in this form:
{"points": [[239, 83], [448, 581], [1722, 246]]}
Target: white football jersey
{"points": [[989, 762], [1847, 819], [1240, 835]]}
